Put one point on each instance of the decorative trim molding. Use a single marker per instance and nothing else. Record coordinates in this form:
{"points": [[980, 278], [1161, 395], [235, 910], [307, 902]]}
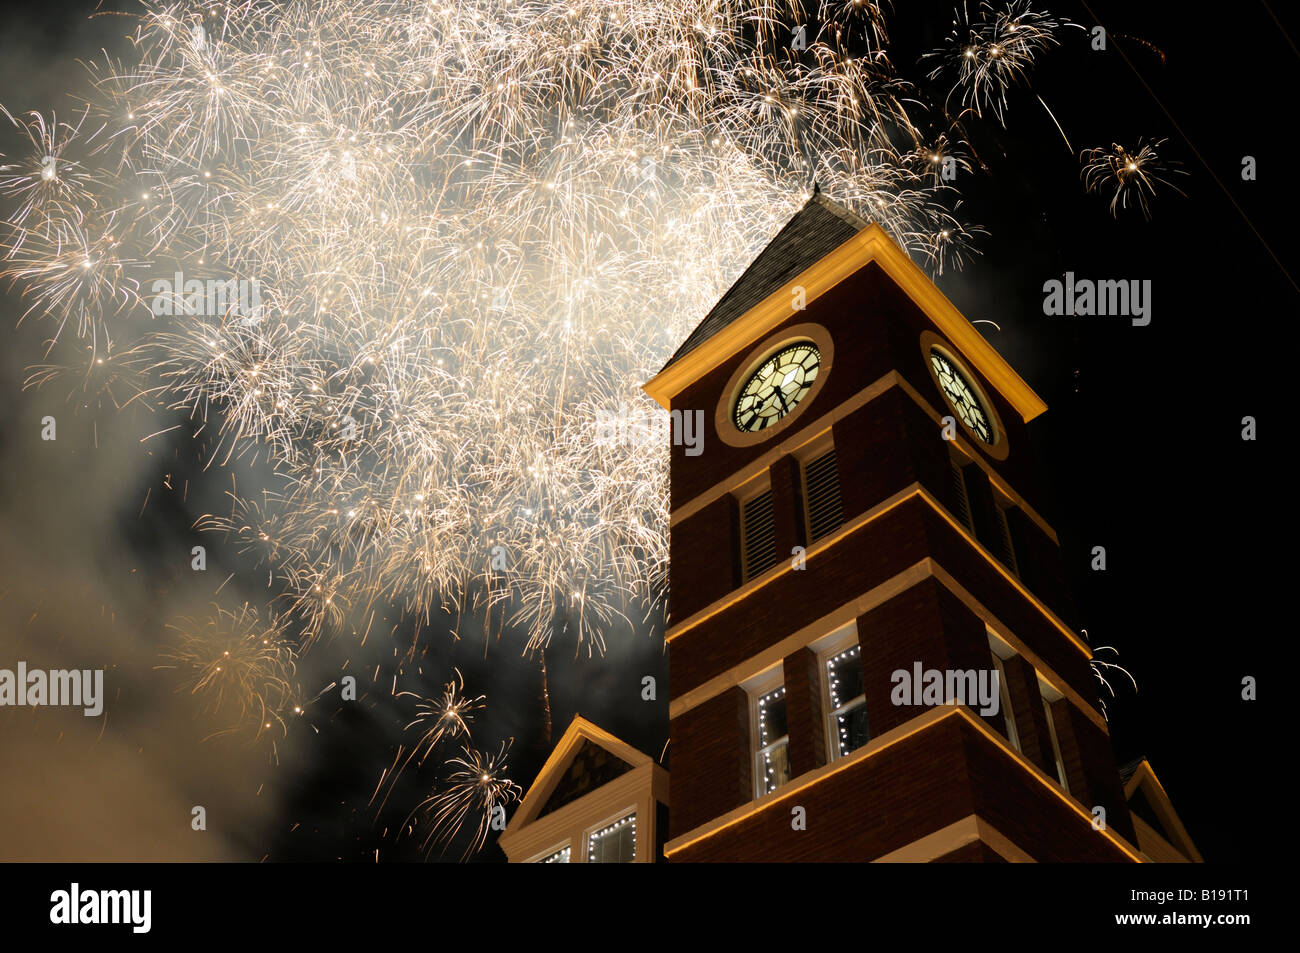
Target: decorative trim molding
{"points": [[999, 448], [818, 426], [870, 244], [530, 837], [1145, 778], [874, 747], [969, 830], [723, 418], [738, 675], [880, 509]]}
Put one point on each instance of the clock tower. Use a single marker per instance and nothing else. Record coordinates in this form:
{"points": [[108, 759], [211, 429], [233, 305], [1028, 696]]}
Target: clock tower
{"points": [[870, 657]]}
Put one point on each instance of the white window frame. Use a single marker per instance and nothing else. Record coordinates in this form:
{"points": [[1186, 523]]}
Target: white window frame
{"points": [[842, 640], [760, 686], [1050, 697], [611, 820], [546, 854], [999, 650]]}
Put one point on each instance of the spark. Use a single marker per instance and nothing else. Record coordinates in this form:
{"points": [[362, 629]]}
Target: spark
{"points": [[476, 793], [240, 669], [1129, 177], [476, 227], [989, 53], [1100, 668]]}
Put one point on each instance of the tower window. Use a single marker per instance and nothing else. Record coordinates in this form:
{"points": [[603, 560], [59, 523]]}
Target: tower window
{"points": [[614, 844], [1005, 711], [821, 481], [772, 742], [1050, 696], [1005, 551], [758, 535], [957, 491], [846, 702]]}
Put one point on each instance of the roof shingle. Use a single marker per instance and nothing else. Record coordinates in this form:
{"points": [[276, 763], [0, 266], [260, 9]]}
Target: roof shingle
{"points": [[816, 230]]}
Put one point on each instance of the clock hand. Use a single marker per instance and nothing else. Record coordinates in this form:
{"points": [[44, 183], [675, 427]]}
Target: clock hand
{"points": [[754, 411]]}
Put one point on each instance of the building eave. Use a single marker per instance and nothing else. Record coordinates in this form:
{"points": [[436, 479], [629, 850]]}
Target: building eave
{"points": [[870, 244], [1144, 779], [580, 730]]}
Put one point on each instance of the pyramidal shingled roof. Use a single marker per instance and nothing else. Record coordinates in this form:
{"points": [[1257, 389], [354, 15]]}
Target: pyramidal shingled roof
{"points": [[816, 230]]}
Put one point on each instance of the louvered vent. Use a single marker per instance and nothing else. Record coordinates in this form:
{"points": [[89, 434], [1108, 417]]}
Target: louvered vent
{"points": [[821, 480], [959, 498], [760, 535], [1006, 552]]}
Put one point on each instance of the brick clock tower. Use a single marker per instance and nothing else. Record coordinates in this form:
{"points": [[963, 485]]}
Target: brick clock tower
{"points": [[861, 522]]}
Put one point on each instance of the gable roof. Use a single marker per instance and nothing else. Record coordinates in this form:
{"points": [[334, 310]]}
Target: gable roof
{"points": [[1147, 799], [821, 246], [599, 757], [590, 767]]}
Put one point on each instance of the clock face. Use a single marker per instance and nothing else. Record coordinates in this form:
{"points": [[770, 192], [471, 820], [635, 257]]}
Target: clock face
{"points": [[776, 387], [962, 396]]}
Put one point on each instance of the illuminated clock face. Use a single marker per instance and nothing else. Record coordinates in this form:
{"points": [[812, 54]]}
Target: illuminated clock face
{"points": [[962, 396], [777, 386]]}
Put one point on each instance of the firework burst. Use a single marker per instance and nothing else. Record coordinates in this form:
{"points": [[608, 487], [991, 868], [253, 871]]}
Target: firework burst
{"points": [[1101, 668], [475, 227], [992, 51], [1130, 178], [240, 669], [476, 794], [444, 718]]}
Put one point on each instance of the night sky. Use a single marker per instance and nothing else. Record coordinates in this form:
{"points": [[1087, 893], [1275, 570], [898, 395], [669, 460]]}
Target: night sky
{"points": [[1140, 451]]}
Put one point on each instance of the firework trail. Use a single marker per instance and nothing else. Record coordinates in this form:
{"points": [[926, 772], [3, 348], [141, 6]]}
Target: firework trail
{"points": [[442, 719], [1101, 667], [476, 794], [1130, 178]]}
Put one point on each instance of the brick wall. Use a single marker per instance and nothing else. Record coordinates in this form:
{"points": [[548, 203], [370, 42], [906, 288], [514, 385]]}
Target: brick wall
{"points": [[1090, 766], [712, 768], [805, 714], [704, 557], [907, 791]]}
